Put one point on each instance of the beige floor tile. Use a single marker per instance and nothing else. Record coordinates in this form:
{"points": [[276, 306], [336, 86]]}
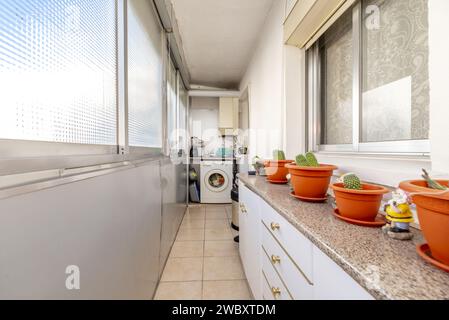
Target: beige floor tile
{"points": [[216, 215], [187, 249], [229, 213], [195, 213], [219, 234], [221, 249], [226, 290], [179, 291], [217, 224], [189, 223], [215, 208], [223, 268], [190, 235], [183, 269]]}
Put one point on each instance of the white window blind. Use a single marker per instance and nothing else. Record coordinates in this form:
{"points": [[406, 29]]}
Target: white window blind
{"points": [[172, 112], [145, 75], [182, 122], [58, 71]]}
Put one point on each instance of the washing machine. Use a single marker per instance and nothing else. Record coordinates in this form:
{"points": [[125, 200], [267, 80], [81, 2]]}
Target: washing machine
{"points": [[216, 181]]}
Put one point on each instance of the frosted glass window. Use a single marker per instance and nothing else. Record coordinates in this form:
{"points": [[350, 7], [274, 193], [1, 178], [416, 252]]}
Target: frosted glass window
{"points": [[395, 71], [58, 71], [145, 75], [182, 122], [172, 113], [337, 78]]}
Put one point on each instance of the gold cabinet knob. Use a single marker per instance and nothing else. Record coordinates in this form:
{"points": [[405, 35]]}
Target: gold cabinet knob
{"points": [[276, 292], [275, 226], [243, 208], [275, 259]]}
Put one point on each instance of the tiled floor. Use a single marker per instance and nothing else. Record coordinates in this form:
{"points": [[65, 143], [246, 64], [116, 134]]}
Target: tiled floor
{"points": [[204, 262]]}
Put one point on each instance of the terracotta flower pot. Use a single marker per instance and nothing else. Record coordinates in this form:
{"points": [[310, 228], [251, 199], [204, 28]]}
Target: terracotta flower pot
{"points": [[276, 170], [433, 214], [311, 182], [362, 205], [413, 186]]}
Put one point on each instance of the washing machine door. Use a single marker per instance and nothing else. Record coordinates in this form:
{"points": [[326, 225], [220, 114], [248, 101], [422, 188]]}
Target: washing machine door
{"points": [[216, 181]]}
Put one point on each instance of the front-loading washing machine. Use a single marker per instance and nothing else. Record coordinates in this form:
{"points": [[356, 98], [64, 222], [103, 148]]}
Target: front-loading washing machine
{"points": [[216, 181]]}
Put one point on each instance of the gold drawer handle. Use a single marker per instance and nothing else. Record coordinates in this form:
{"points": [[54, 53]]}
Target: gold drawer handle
{"points": [[243, 208], [276, 292], [275, 226], [275, 259]]}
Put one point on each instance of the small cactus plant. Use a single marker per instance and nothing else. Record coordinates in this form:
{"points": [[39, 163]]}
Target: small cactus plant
{"points": [[301, 161], [279, 155], [308, 160], [432, 183], [352, 182], [311, 160]]}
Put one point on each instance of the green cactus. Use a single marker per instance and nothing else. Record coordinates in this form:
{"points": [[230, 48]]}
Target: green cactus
{"points": [[311, 160], [301, 161], [278, 155], [351, 181], [432, 183]]}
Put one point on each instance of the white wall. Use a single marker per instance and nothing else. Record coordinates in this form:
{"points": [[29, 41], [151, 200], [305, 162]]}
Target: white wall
{"points": [[109, 226], [204, 113], [294, 124], [276, 77], [439, 84], [264, 77]]}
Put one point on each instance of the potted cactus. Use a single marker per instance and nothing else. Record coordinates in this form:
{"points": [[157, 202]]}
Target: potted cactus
{"points": [[427, 184], [431, 198], [356, 200], [275, 169], [310, 180]]}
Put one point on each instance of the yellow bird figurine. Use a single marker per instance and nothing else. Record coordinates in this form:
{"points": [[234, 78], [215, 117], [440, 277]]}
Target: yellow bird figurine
{"points": [[399, 216]]}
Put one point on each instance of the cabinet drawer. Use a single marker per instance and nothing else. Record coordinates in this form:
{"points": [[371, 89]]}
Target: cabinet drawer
{"points": [[291, 274], [276, 289], [333, 283], [298, 247]]}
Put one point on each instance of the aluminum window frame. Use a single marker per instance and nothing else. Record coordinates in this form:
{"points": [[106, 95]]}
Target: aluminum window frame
{"points": [[417, 148]]}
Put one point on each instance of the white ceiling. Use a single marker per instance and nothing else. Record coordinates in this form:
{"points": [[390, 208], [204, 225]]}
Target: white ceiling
{"points": [[219, 37]]}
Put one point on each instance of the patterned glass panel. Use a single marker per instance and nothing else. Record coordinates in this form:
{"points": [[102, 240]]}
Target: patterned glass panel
{"points": [[145, 75], [58, 71], [337, 67], [395, 70]]}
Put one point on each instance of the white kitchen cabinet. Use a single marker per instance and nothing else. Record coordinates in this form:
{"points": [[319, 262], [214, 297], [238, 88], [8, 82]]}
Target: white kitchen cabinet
{"points": [[228, 118], [250, 240], [281, 263], [332, 282]]}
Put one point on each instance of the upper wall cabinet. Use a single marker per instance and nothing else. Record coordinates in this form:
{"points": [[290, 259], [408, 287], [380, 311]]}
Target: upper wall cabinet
{"points": [[309, 19], [229, 108]]}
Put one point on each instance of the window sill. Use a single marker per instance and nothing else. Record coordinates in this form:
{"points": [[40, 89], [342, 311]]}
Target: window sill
{"points": [[385, 169]]}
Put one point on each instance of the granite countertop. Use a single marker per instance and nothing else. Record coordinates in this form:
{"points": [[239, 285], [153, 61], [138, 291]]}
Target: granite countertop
{"points": [[386, 268]]}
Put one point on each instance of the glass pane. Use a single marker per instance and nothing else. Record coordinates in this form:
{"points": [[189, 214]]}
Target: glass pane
{"points": [[58, 71], [395, 70], [182, 121], [172, 113], [144, 75], [337, 81]]}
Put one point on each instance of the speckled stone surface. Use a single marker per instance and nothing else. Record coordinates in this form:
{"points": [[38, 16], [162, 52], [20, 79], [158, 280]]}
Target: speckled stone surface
{"points": [[386, 268]]}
